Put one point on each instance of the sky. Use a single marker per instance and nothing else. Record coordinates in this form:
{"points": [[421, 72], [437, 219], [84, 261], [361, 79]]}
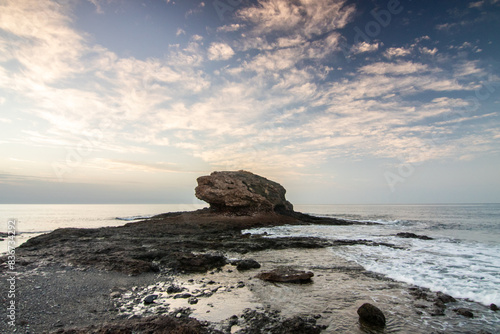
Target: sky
{"points": [[341, 102]]}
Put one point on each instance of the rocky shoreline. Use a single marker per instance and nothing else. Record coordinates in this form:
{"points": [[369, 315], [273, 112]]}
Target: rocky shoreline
{"points": [[196, 272], [96, 280]]}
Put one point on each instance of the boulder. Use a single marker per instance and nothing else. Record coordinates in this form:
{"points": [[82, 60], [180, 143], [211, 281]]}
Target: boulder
{"points": [[371, 315], [150, 299], [241, 192], [494, 307], [247, 264], [286, 275]]}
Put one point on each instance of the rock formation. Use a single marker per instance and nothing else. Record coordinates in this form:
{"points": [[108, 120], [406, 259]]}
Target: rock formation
{"points": [[286, 275], [241, 192]]}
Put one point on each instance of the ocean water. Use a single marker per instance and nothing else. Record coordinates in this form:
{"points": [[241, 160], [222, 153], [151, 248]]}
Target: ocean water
{"points": [[463, 259], [34, 219]]}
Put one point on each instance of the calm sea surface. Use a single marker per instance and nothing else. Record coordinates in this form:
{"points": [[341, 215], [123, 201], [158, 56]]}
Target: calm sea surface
{"points": [[463, 259]]}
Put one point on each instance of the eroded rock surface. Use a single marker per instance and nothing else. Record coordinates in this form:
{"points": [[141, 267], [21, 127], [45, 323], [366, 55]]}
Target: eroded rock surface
{"points": [[286, 275], [241, 192]]}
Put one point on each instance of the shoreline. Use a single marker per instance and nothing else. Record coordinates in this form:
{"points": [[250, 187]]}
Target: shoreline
{"points": [[90, 264]]}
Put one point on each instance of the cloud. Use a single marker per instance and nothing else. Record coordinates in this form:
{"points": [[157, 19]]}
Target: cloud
{"points": [[180, 32], [477, 4], [398, 68], [220, 51], [425, 50], [231, 27], [309, 17], [97, 4], [195, 10], [365, 47], [397, 52]]}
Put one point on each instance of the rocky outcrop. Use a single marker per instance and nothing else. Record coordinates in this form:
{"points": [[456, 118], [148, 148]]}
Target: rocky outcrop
{"points": [[241, 192], [286, 275], [371, 315], [409, 235]]}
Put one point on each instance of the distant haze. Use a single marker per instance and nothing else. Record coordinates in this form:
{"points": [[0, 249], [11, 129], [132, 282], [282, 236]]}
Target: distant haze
{"points": [[121, 101]]}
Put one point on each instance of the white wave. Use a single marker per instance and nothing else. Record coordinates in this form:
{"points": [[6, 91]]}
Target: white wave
{"points": [[133, 218], [461, 268]]}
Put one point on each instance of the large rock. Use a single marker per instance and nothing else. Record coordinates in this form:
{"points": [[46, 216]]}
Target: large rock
{"points": [[371, 315], [286, 275], [241, 191]]}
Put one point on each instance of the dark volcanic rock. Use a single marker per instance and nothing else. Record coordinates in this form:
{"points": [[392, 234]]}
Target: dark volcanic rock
{"points": [[371, 315], [247, 264], [413, 236], [190, 262], [445, 298], [494, 307], [286, 275], [241, 192], [155, 324], [150, 299], [464, 312]]}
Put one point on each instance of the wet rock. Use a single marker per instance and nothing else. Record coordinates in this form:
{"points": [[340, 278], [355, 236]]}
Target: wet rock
{"points": [[247, 264], [445, 298], [256, 322], [183, 296], [190, 262], [193, 300], [174, 289], [493, 307], [241, 192], [419, 293], [150, 299], [464, 312], [286, 275], [115, 294], [371, 315], [156, 324], [413, 236]]}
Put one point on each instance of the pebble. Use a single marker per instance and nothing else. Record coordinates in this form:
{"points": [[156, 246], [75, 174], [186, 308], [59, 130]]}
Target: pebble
{"points": [[150, 299]]}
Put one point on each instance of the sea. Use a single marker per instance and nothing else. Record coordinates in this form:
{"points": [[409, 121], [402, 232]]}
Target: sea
{"points": [[462, 259]]}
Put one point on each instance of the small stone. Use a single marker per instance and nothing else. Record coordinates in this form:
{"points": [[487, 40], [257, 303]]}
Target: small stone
{"points": [[150, 299], [193, 300], [371, 315], [493, 307], [247, 264], [464, 312], [174, 289], [240, 285], [182, 295], [115, 294]]}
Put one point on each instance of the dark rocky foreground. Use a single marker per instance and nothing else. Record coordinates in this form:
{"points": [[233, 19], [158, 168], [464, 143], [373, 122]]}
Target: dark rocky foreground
{"points": [[64, 277]]}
